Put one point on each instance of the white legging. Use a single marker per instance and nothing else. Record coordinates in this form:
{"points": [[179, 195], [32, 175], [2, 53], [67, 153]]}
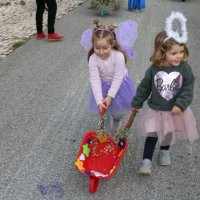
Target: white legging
{"points": [[116, 118]]}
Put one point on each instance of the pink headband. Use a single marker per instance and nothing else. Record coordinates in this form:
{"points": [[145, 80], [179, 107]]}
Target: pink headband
{"points": [[103, 29]]}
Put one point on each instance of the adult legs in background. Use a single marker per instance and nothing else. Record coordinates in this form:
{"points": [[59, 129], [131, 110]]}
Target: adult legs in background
{"points": [[52, 9], [136, 4], [39, 15]]}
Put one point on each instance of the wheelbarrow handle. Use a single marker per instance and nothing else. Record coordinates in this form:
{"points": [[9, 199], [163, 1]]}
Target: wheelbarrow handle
{"points": [[131, 119], [102, 118]]}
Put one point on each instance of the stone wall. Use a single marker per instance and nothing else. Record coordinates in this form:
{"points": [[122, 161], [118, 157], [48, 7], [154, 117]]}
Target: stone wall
{"points": [[8, 1], [3, 2], [17, 21]]}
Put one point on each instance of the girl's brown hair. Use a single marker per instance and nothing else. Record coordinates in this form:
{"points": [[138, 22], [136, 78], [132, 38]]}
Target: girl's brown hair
{"points": [[106, 32], [162, 45]]}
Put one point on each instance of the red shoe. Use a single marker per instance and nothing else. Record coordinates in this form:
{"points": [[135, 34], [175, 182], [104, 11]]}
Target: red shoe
{"points": [[40, 36], [55, 37]]}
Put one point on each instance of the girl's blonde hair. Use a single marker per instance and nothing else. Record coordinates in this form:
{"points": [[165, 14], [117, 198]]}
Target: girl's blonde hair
{"points": [[162, 45], [106, 32]]}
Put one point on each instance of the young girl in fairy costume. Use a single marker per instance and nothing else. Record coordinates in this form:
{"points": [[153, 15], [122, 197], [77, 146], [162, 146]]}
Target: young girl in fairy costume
{"points": [[112, 87], [168, 87]]}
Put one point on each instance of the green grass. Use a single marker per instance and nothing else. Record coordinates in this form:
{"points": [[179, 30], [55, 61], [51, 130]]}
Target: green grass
{"points": [[18, 44]]}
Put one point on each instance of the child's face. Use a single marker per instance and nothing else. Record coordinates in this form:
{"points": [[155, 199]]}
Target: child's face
{"points": [[175, 55], [102, 48]]}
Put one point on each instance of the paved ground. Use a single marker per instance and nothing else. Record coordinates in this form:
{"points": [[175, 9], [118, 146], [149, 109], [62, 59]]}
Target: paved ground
{"points": [[44, 114]]}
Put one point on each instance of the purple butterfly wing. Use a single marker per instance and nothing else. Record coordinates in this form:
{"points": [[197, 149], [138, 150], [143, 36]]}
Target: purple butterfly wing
{"points": [[86, 39], [126, 34]]}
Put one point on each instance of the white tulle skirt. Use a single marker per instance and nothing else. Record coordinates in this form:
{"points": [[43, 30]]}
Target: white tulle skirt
{"points": [[167, 126]]}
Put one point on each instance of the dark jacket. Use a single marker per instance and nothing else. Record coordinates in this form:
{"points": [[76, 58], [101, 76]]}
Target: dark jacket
{"points": [[165, 87]]}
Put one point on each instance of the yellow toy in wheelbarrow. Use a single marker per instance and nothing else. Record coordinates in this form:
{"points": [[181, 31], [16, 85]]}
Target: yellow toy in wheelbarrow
{"points": [[100, 153]]}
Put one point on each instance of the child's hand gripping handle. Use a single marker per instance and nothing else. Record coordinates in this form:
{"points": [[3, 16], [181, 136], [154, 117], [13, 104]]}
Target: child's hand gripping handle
{"points": [[103, 110]]}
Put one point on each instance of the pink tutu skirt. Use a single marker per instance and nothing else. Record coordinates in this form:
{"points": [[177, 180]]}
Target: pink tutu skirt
{"points": [[167, 126]]}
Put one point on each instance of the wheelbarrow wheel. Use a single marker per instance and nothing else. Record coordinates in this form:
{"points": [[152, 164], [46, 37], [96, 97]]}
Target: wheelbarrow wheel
{"points": [[94, 182]]}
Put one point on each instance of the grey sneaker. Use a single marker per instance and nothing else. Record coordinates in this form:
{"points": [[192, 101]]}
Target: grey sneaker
{"points": [[145, 169], [164, 158]]}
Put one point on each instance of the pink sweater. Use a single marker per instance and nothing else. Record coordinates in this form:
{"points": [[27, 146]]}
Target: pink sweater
{"points": [[112, 70]]}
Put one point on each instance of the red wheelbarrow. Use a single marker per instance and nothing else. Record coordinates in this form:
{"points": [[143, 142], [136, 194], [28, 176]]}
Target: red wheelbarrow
{"points": [[100, 158]]}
